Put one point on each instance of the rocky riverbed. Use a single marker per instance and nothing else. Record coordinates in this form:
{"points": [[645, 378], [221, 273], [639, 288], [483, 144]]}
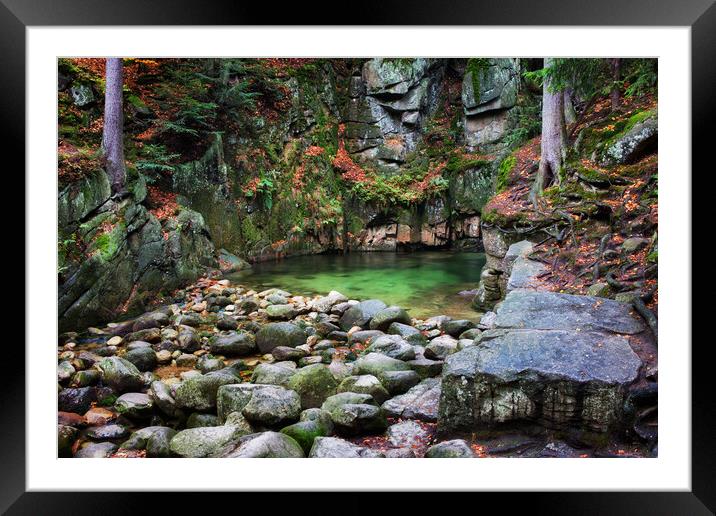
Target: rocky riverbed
{"points": [[226, 371]]}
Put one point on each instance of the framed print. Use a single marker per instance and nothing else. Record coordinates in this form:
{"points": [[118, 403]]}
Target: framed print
{"points": [[428, 234]]}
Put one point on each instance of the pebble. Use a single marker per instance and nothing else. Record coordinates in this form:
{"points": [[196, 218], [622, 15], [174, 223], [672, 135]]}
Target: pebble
{"points": [[164, 356], [115, 341]]}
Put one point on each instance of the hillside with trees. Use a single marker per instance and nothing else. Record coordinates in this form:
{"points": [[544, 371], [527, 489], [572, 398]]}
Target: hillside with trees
{"points": [[178, 176]]}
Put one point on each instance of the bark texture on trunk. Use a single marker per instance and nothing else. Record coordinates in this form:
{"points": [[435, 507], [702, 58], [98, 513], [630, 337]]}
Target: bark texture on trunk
{"points": [[616, 76], [570, 116], [113, 131], [553, 137]]}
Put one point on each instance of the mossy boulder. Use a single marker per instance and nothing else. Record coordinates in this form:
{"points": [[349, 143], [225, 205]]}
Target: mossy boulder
{"points": [[277, 334], [143, 358], [233, 343], [358, 419], [335, 401], [199, 393], [377, 363], [455, 449], [136, 405], [82, 197], [638, 138], [120, 374], [273, 445], [66, 436], [367, 384], [284, 311], [272, 374], [305, 432], [385, 317], [204, 441], [229, 263], [361, 314], [314, 383]]}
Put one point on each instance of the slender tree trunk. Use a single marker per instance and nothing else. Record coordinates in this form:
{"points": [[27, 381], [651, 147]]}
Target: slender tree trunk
{"points": [[113, 132], [570, 116], [554, 137], [615, 64]]}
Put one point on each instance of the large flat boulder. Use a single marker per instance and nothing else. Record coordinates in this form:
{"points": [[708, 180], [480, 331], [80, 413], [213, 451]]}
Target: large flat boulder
{"points": [[523, 308], [525, 273], [570, 380]]}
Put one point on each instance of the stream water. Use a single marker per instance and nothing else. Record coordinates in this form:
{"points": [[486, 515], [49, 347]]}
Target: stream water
{"points": [[425, 283]]}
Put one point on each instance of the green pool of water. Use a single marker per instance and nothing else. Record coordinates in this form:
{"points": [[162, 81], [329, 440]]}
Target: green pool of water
{"points": [[425, 283]]}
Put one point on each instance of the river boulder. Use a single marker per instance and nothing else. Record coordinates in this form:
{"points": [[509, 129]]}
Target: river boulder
{"points": [[206, 441], [542, 310], [361, 314], [387, 316], [120, 374], [233, 343], [366, 384], [272, 374], [455, 449], [199, 393], [314, 383], [272, 406], [266, 445], [376, 363], [560, 378], [336, 448], [392, 346], [398, 382], [284, 334], [305, 432], [143, 358], [440, 347], [420, 402], [77, 400], [136, 405]]}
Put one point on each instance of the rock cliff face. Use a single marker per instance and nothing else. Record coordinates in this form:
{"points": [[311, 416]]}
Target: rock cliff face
{"points": [[387, 109], [121, 254], [489, 90], [365, 155]]}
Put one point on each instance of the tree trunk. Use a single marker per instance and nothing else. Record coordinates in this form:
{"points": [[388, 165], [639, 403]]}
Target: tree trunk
{"points": [[570, 116], [615, 64], [113, 131], [554, 137]]}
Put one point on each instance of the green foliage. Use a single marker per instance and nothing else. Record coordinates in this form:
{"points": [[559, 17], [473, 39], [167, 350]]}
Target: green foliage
{"points": [[504, 171], [477, 66], [593, 76], [192, 116], [325, 134], [457, 164], [264, 188], [641, 76], [107, 401], [65, 248], [106, 245], [155, 159]]}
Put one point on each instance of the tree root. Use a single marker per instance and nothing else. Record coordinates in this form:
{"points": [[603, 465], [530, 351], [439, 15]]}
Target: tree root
{"points": [[602, 247], [617, 285], [647, 314]]}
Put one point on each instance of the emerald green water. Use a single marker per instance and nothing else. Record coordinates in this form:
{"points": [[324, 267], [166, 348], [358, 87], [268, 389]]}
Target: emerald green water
{"points": [[425, 283]]}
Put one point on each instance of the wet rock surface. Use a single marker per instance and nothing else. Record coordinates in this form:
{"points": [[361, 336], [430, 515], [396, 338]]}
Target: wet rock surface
{"points": [[552, 361], [327, 383]]}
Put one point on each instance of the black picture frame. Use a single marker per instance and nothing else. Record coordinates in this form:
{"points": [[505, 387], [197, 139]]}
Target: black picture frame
{"points": [[700, 15]]}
